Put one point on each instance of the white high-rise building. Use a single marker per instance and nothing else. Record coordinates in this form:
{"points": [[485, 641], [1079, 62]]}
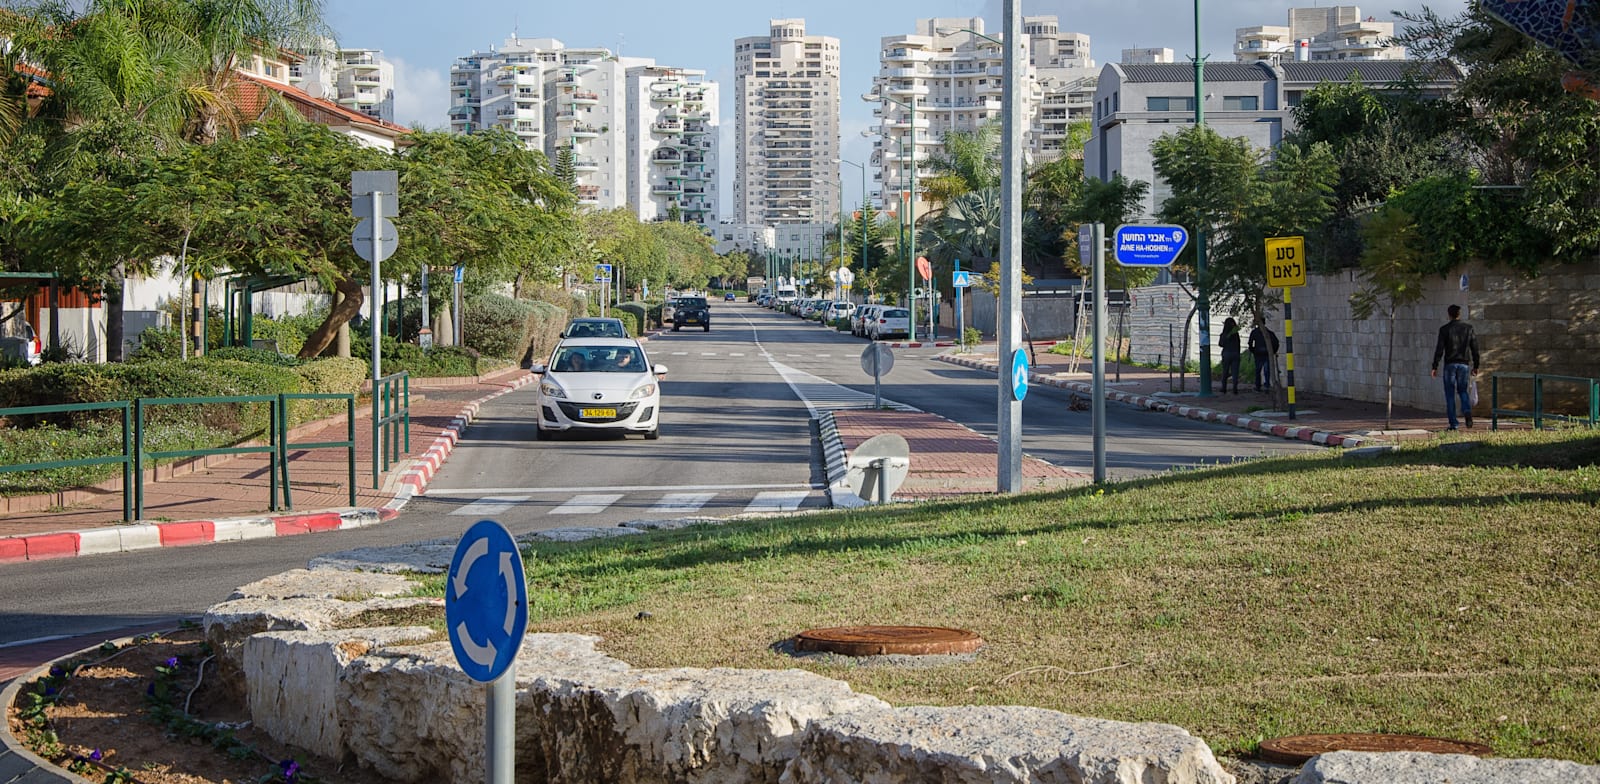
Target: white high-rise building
{"points": [[357, 79], [786, 98], [604, 108], [1323, 33], [954, 74]]}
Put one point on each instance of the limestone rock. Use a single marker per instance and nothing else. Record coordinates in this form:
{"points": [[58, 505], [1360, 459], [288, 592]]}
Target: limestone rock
{"points": [[426, 557], [577, 534], [1415, 767], [293, 681], [306, 584], [993, 744]]}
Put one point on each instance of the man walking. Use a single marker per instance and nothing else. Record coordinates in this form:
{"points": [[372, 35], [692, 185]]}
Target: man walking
{"points": [[1263, 345], [1458, 347]]}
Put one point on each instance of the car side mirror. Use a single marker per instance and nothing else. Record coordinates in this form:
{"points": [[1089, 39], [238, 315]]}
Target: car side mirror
{"points": [[659, 370], [537, 370]]}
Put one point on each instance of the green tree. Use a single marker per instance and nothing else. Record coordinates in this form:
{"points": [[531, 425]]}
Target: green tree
{"points": [[566, 167], [1390, 280], [968, 161]]}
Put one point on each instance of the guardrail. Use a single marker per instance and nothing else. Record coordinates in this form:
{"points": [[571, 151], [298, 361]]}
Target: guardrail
{"points": [[1538, 414], [394, 393], [133, 456]]}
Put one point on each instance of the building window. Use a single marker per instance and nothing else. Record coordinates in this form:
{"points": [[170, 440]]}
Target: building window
{"points": [[1156, 104], [1241, 103]]}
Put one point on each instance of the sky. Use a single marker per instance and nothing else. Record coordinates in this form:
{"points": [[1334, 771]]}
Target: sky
{"points": [[424, 37]]}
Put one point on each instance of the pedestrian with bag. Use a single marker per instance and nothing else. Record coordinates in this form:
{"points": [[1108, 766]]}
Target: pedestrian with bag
{"points": [[1263, 346], [1230, 354], [1457, 347]]}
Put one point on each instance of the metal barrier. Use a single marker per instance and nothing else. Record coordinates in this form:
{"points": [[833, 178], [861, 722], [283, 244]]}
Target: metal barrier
{"points": [[133, 455], [1538, 414], [349, 444], [125, 459], [394, 394]]}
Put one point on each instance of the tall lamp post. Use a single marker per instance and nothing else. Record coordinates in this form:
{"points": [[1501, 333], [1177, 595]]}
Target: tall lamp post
{"points": [[1202, 302], [911, 208], [863, 169]]}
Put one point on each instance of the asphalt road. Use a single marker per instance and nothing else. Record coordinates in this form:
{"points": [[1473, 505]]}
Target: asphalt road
{"points": [[736, 437]]}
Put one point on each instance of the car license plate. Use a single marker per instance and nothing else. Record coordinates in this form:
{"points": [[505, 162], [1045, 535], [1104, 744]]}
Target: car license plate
{"points": [[690, 320], [598, 413]]}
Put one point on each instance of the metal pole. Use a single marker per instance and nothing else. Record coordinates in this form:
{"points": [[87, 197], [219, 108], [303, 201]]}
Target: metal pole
{"points": [[501, 714], [425, 299], [1098, 403], [1008, 477], [961, 320], [460, 341], [911, 222], [1202, 302], [372, 307], [1288, 344]]}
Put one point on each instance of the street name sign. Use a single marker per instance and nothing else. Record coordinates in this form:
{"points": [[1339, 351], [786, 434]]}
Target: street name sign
{"points": [[1146, 245]]}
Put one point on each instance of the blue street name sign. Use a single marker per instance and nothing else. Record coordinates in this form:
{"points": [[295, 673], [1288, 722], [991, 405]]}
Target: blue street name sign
{"points": [[1019, 375], [486, 601], [961, 279], [1149, 245], [460, 272], [602, 272]]}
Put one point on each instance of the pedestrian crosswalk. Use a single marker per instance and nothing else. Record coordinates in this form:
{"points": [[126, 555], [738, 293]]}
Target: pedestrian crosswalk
{"points": [[668, 504]]}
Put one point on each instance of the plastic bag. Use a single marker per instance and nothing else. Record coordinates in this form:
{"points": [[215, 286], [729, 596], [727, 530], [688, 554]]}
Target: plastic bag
{"points": [[1472, 392]]}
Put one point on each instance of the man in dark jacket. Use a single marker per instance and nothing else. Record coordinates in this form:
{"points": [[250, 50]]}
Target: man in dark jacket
{"points": [[1458, 348], [1263, 345]]}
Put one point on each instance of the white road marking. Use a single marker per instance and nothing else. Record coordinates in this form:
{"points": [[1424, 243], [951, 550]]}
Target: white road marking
{"points": [[708, 353], [682, 502], [824, 356], [777, 501], [680, 353], [736, 354], [587, 504], [484, 492], [820, 394], [490, 506]]}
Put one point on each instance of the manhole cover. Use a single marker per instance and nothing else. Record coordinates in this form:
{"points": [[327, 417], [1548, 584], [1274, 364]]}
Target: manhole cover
{"points": [[1296, 749], [882, 640]]}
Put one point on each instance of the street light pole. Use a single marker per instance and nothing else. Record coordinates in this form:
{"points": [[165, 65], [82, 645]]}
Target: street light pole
{"points": [[1008, 476], [911, 207], [1201, 301], [863, 168]]}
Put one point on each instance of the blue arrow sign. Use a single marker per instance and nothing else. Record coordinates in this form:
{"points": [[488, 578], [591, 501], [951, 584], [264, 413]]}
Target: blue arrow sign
{"points": [[1019, 375], [1149, 245], [486, 601], [961, 279], [460, 272]]}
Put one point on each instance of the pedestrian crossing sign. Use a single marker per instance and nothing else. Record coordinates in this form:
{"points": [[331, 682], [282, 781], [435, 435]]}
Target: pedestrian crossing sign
{"points": [[961, 279]]}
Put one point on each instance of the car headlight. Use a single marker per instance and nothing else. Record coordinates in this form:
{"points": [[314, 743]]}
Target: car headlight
{"points": [[643, 392], [552, 389]]}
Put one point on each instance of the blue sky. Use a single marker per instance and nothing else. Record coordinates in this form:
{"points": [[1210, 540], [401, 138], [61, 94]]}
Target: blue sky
{"points": [[423, 38]]}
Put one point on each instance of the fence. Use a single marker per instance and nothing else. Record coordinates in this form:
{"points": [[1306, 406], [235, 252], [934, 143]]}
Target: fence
{"points": [[1585, 386], [393, 392]]}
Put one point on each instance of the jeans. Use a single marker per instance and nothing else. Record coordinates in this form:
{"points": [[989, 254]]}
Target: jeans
{"points": [[1230, 368], [1457, 383], [1263, 370]]}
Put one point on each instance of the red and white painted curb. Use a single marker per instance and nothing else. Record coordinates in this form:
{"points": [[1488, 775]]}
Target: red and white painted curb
{"points": [[126, 538], [920, 344], [1258, 424]]}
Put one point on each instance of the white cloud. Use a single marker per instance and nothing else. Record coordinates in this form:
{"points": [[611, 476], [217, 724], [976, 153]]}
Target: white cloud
{"points": [[421, 96]]}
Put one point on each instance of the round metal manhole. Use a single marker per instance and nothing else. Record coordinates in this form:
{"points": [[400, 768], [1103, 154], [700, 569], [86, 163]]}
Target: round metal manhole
{"points": [[885, 640], [1296, 749]]}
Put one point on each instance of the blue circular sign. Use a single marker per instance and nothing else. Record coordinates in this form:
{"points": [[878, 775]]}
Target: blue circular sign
{"points": [[1019, 375], [486, 601]]}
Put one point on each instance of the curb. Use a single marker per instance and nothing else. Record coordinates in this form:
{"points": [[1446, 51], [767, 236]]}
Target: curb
{"points": [[1257, 424], [834, 466], [144, 536], [920, 344], [17, 763]]}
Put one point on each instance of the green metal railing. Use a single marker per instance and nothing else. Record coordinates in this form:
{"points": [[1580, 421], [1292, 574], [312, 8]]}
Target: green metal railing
{"points": [[1538, 414], [133, 456], [393, 395], [349, 444], [125, 459]]}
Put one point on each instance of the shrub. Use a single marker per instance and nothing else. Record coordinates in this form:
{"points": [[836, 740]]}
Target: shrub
{"points": [[633, 315], [332, 375], [158, 343], [286, 334], [410, 358], [498, 326], [550, 319], [258, 355]]}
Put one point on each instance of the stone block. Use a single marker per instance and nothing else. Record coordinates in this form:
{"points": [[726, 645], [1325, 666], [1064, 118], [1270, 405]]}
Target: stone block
{"points": [[305, 584], [1412, 767], [993, 744]]}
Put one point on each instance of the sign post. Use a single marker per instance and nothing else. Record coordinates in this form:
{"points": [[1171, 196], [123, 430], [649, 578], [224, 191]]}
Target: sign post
{"points": [[1097, 406], [877, 360], [374, 198], [460, 274], [486, 613], [961, 281], [1286, 269]]}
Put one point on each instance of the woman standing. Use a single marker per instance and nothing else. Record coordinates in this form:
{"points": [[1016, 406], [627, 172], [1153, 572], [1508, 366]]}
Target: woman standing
{"points": [[1230, 354]]}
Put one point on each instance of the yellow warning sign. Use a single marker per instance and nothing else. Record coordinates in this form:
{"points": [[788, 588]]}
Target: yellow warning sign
{"points": [[1286, 262]]}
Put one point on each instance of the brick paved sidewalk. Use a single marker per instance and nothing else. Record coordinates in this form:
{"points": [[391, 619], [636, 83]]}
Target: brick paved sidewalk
{"points": [[238, 487]]}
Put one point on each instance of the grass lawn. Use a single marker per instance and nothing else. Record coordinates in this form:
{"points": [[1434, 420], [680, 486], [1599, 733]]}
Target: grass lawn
{"points": [[1443, 593]]}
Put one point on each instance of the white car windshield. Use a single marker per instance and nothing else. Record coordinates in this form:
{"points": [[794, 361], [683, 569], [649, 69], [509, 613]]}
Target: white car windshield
{"points": [[598, 359]]}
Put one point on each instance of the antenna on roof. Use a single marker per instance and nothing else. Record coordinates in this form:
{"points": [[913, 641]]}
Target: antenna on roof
{"points": [[516, 24]]}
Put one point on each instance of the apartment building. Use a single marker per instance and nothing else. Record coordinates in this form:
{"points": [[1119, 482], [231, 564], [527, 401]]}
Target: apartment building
{"points": [[672, 150], [1136, 104], [1332, 33], [953, 72], [623, 118], [786, 126], [1147, 56], [358, 79]]}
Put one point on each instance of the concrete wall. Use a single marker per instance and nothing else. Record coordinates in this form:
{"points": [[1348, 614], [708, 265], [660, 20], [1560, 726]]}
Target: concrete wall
{"points": [[1549, 324], [1048, 317]]}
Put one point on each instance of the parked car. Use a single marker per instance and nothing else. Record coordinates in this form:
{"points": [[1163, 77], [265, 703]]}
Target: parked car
{"points": [[595, 328], [841, 309], [668, 310], [19, 342], [863, 316], [599, 385], [891, 322], [692, 311], [730, 297]]}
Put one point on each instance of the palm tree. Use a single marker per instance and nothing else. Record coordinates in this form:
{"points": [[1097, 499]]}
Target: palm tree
{"points": [[969, 162]]}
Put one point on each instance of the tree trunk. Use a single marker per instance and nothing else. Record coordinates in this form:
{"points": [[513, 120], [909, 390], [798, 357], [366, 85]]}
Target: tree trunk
{"points": [[113, 294], [344, 310], [1388, 407]]}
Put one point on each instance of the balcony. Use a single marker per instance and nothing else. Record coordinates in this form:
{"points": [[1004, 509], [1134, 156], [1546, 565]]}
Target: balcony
{"points": [[511, 79], [585, 99], [585, 131], [667, 127], [669, 95], [660, 159], [466, 66], [459, 111], [588, 194], [909, 89], [586, 164], [667, 189]]}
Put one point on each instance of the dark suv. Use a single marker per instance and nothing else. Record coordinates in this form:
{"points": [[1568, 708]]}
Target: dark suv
{"points": [[691, 311]]}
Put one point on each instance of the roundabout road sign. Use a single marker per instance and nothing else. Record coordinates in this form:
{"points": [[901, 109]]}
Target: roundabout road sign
{"points": [[486, 601], [1019, 375]]}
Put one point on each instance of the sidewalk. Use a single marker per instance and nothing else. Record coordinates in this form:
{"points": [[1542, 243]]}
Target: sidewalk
{"points": [[228, 499]]}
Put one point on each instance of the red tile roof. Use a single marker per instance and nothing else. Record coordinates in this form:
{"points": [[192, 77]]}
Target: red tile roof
{"points": [[251, 94]]}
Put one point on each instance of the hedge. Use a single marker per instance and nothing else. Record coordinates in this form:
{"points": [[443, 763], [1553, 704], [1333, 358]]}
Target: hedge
{"points": [[633, 315]]}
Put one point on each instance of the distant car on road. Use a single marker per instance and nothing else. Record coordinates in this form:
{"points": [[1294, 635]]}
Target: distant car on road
{"points": [[730, 297], [599, 385], [595, 328]]}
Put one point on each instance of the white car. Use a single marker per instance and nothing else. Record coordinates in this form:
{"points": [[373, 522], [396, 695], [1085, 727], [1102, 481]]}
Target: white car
{"points": [[19, 342], [599, 385], [864, 315], [890, 321], [840, 309]]}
